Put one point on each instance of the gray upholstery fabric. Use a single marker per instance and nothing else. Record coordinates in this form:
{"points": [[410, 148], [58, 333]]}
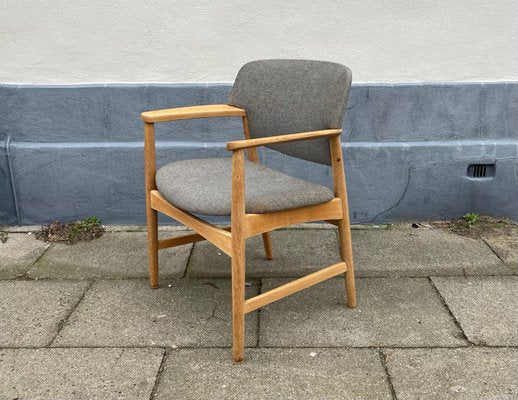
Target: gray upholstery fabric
{"points": [[289, 96], [204, 186]]}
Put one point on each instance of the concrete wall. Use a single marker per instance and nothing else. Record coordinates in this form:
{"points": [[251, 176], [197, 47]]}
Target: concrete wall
{"points": [[77, 150], [88, 41]]}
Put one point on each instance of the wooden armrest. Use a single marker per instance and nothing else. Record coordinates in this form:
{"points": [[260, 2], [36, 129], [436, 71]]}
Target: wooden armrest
{"points": [[205, 111], [245, 144]]}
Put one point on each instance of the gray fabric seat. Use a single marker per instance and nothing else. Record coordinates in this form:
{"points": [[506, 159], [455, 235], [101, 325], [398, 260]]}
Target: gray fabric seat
{"points": [[204, 186]]}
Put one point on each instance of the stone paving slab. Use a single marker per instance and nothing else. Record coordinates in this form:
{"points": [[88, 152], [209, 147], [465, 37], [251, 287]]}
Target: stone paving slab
{"points": [[31, 312], [405, 312], [189, 313], [21, 228], [394, 252], [114, 255], [460, 374], [78, 373], [506, 246], [422, 252], [274, 374], [486, 308], [296, 252], [18, 253]]}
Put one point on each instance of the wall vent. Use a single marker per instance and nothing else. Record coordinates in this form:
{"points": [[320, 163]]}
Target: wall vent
{"points": [[481, 170]]}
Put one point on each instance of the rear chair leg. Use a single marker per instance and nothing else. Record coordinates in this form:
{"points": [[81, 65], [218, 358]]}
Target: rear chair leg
{"points": [[152, 247], [267, 241], [344, 227], [346, 252]]}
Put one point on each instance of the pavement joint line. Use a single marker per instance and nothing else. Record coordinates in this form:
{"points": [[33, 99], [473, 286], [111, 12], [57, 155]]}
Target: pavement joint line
{"points": [[383, 360], [373, 347], [153, 393], [445, 304], [25, 274], [200, 278], [188, 262], [495, 253], [258, 316], [65, 319]]}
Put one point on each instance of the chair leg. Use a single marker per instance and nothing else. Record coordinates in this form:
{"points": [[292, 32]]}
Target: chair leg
{"points": [[238, 255], [267, 241], [152, 247], [346, 252], [238, 298]]}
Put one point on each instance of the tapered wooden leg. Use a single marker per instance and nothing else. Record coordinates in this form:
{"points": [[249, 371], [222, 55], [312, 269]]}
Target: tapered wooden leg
{"points": [[344, 228], [267, 241], [346, 253], [238, 255], [152, 247], [151, 215]]}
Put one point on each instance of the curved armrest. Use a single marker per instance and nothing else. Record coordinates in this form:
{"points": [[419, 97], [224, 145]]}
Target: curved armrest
{"points": [[205, 111], [292, 137]]}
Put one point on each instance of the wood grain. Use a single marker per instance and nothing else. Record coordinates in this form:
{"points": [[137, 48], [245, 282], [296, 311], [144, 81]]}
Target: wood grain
{"points": [[292, 137], [238, 254], [344, 227], [218, 237], [259, 223], [294, 286], [203, 111]]}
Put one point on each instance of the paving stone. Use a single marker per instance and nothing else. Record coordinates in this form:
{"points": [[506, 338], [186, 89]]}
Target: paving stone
{"points": [[18, 253], [114, 255], [460, 374], [422, 252], [506, 246], [486, 308], [31, 312], [274, 374], [404, 312], [22, 228], [78, 373], [295, 253], [190, 313], [394, 252]]}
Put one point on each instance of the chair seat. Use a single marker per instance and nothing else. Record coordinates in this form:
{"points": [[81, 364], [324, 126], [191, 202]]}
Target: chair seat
{"points": [[204, 186]]}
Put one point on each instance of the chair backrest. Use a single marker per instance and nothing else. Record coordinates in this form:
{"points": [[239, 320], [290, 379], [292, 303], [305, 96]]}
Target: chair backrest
{"points": [[290, 96]]}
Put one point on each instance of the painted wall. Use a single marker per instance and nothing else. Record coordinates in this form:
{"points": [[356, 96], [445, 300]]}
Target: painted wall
{"points": [[92, 41], [77, 151]]}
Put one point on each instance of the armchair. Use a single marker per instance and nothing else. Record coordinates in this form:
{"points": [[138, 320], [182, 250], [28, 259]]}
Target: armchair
{"points": [[273, 98]]}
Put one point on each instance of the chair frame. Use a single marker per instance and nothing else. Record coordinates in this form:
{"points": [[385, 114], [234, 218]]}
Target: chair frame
{"points": [[231, 240]]}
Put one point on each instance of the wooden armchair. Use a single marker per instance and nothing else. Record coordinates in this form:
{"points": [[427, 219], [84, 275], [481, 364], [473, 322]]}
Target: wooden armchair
{"points": [[273, 98]]}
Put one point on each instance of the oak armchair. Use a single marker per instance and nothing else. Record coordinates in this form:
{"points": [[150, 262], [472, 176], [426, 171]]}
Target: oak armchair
{"points": [[273, 98]]}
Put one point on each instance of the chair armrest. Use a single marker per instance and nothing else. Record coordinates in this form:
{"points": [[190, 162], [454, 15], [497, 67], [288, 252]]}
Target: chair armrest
{"points": [[292, 137], [205, 111]]}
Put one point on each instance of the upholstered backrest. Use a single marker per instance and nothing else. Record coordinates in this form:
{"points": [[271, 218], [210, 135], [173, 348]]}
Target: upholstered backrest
{"points": [[289, 96]]}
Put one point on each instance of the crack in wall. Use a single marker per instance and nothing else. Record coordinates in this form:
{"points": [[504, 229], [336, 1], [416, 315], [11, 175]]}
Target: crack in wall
{"points": [[401, 197]]}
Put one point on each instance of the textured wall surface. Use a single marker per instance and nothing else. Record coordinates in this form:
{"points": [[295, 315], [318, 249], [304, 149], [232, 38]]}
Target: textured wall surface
{"points": [[84, 41], [77, 151]]}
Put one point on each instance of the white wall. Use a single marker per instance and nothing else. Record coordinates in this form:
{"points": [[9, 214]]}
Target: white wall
{"points": [[83, 41]]}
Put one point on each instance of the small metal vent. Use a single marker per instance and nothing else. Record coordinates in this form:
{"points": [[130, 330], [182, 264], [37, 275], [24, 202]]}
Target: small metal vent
{"points": [[481, 170]]}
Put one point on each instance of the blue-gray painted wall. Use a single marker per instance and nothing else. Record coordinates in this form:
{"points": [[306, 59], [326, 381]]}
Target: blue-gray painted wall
{"points": [[76, 151]]}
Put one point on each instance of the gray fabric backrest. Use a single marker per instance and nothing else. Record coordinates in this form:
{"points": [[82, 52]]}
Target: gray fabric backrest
{"points": [[289, 96]]}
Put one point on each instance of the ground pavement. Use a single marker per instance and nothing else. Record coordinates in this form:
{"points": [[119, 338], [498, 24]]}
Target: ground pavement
{"points": [[437, 318]]}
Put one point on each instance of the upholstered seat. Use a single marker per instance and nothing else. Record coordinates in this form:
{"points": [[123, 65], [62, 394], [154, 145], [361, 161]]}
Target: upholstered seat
{"points": [[204, 186]]}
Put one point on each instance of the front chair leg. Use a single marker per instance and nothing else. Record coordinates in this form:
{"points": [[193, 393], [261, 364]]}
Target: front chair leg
{"points": [[267, 241], [238, 298], [237, 218]]}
